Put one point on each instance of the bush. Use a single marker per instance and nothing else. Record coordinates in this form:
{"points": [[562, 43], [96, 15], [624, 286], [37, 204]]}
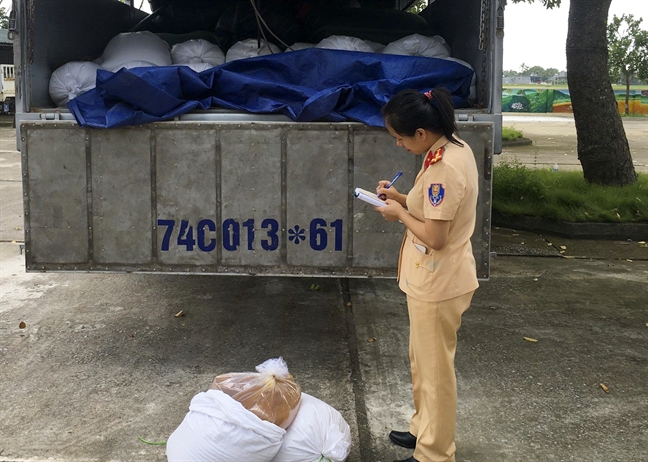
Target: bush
{"points": [[566, 196], [510, 134]]}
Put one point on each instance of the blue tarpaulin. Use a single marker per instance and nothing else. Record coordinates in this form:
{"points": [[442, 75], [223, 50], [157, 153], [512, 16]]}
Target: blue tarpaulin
{"points": [[307, 85]]}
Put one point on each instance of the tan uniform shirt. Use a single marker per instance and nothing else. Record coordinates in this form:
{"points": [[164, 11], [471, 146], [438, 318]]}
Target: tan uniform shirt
{"points": [[445, 190]]}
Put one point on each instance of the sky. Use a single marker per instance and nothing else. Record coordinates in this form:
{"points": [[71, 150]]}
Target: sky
{"points": [[536, 36]]}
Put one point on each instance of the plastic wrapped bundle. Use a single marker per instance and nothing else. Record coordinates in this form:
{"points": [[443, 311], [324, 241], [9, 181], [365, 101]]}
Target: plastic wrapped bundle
{"points": [[318, 433], [135, 49], [71, 79], [218, 428], [341, 42], [300, 46], [472, 98], [375, 46], [270, 393], [419, 45], [198, 67], [250, 49], [197, 52]]}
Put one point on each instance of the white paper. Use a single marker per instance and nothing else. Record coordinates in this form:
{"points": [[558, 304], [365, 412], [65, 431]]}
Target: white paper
{"points": [[368, 197]]}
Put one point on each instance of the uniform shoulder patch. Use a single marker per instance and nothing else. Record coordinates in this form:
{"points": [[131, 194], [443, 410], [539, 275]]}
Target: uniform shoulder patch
{"points": [[433, 157], [436, 193]]}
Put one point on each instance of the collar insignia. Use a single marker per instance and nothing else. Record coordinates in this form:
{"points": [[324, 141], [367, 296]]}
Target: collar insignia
{"points": [[433, 157]]}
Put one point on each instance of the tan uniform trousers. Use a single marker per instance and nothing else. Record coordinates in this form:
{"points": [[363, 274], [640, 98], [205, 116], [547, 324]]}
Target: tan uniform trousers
{"points": [[433, 342]]}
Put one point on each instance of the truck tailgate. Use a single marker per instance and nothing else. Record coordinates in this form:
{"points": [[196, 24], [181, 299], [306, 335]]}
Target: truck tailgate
{"points": [[222, 198]]}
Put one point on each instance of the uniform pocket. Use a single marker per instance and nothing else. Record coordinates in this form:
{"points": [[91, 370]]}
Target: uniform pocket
{"points": [[422, 268]]}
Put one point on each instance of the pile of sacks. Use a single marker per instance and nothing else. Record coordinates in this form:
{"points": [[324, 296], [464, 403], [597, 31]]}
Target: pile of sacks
{"points": [[131, 49], [412, 45], [145, 49], [259, 417]]}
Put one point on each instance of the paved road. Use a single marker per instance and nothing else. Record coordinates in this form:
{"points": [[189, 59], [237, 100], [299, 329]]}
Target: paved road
{"points": [[554, 141], [102, 359]]}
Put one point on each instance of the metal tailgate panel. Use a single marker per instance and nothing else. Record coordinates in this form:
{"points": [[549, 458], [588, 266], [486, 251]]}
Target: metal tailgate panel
{"points": [[250, 185], [376, 157], [121, 196], [54, 184], [317, 197], [185, 179], [222, 197]]}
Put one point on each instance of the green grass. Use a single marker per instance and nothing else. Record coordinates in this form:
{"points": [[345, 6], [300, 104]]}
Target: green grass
{"points": [[510, 134], [533, 86], [566, 196]]}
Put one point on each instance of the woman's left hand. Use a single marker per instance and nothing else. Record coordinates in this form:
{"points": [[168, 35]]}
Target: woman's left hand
{"points": [[391, 211]]}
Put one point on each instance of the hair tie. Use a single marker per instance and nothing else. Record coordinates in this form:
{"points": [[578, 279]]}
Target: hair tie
{"points": [[429, 95]]}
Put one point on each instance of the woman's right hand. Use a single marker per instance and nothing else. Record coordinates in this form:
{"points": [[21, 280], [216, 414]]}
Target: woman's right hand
{"points": [[384, 193]]}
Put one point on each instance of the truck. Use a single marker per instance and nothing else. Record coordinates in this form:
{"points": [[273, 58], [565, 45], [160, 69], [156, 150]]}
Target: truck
{"points": [[7, 88], [221, 191]]}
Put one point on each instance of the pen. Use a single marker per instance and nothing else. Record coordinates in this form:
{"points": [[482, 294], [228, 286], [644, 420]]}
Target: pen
{"points": [[398, 175]]}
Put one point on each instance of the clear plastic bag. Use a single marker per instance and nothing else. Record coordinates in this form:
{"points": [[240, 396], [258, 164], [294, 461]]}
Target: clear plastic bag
{"points": [[270, 393]]}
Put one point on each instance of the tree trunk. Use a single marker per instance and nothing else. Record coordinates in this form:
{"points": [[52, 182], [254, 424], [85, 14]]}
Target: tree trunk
{"points": [[603, 148], [627, 101]]}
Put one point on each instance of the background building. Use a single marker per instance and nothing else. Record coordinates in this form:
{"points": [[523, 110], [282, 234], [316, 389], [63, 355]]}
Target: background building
{"points": [[6, 48]]}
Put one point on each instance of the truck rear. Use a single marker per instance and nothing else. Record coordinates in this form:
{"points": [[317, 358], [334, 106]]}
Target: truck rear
{"points": [[220, 191]]}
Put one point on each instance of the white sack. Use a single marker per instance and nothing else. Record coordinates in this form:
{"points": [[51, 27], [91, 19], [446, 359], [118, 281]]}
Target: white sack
{"points": [[318, 433], [300, 46], [473, 83], [198, 67], [342, 42], [375, 46], [419, 45], [249, 48], [135, 49], [218, 428], [71, 79], [197, 51]]}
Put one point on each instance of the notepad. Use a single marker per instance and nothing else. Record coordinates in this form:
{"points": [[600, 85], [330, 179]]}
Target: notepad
{"points": [[368, 197]]}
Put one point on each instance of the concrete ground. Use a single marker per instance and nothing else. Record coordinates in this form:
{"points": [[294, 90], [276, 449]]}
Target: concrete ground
{"points": [[102, 360], [554, 141]]}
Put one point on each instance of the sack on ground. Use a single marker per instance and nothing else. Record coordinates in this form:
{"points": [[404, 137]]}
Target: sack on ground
{"points": [[270, 393], [419, 45], [318, 433], [71, 79], [197, 51], [250, 49], [218, 428], [341, 42], [135, 49]]}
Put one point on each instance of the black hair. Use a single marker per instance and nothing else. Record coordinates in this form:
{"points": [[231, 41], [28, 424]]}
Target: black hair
{"points": [[410, 110]]}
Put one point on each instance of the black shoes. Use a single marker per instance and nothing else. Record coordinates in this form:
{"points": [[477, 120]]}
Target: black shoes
{"points": [[411, 459], [405, 440]]}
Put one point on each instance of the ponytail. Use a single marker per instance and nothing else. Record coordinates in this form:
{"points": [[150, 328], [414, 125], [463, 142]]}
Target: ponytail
{"points": [[433, 110]]}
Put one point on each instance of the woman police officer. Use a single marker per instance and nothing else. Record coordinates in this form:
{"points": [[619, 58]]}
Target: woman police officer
{"points": [[436, 265]]}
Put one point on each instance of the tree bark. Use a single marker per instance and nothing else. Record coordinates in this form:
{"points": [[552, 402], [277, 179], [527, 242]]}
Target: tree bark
{"points": [[603, 148]]}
